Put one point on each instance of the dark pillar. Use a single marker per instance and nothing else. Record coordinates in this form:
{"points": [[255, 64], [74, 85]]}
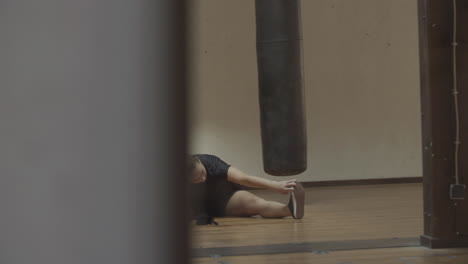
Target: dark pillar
{"points": [[445, 220]]}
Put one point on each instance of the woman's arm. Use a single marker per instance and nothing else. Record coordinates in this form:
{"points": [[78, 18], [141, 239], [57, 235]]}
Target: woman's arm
{"points": [[237, 176]]}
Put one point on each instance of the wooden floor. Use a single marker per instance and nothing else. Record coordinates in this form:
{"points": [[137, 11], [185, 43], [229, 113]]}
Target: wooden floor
{"points": [[332, 215]]}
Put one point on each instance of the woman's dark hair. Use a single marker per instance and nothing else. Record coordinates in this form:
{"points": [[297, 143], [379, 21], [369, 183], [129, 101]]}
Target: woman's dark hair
{"points": [[191, 163]]}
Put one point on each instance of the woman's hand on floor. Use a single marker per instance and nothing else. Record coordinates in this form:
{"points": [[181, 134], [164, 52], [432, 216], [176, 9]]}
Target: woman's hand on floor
{"points": [[285, 187]]}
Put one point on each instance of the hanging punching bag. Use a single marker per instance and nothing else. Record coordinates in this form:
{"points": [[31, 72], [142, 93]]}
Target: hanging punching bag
{"points": [[281, 86]]}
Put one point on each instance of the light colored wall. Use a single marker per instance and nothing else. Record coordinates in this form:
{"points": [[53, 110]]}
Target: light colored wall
{"points": [[361, 80]]}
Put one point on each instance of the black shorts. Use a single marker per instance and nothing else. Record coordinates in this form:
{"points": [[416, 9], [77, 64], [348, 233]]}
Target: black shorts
{"points": [[219, 198]]}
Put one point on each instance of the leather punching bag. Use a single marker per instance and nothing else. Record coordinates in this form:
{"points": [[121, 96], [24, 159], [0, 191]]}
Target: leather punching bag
{"points": [[281, 86]]}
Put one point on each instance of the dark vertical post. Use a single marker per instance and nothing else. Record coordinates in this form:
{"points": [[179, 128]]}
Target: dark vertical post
{"points": [[461, 225], [92, 132], [444, 219], [281, 86], [176, 146]]}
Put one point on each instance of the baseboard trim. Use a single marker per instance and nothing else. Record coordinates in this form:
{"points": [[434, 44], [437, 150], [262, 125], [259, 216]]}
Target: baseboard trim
{"points": [[337, 183], [363, 182]]}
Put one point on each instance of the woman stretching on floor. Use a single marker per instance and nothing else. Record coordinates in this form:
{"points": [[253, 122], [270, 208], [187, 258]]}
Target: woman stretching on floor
{"points": [[216, 190]]}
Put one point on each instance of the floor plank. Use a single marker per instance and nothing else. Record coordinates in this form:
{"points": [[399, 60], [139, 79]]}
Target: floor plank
{"points": [[411, 255], [306, 247]]}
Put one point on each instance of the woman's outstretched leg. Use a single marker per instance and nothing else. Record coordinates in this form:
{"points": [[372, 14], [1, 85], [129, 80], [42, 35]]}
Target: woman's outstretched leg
{"points": [[244, 203]]}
